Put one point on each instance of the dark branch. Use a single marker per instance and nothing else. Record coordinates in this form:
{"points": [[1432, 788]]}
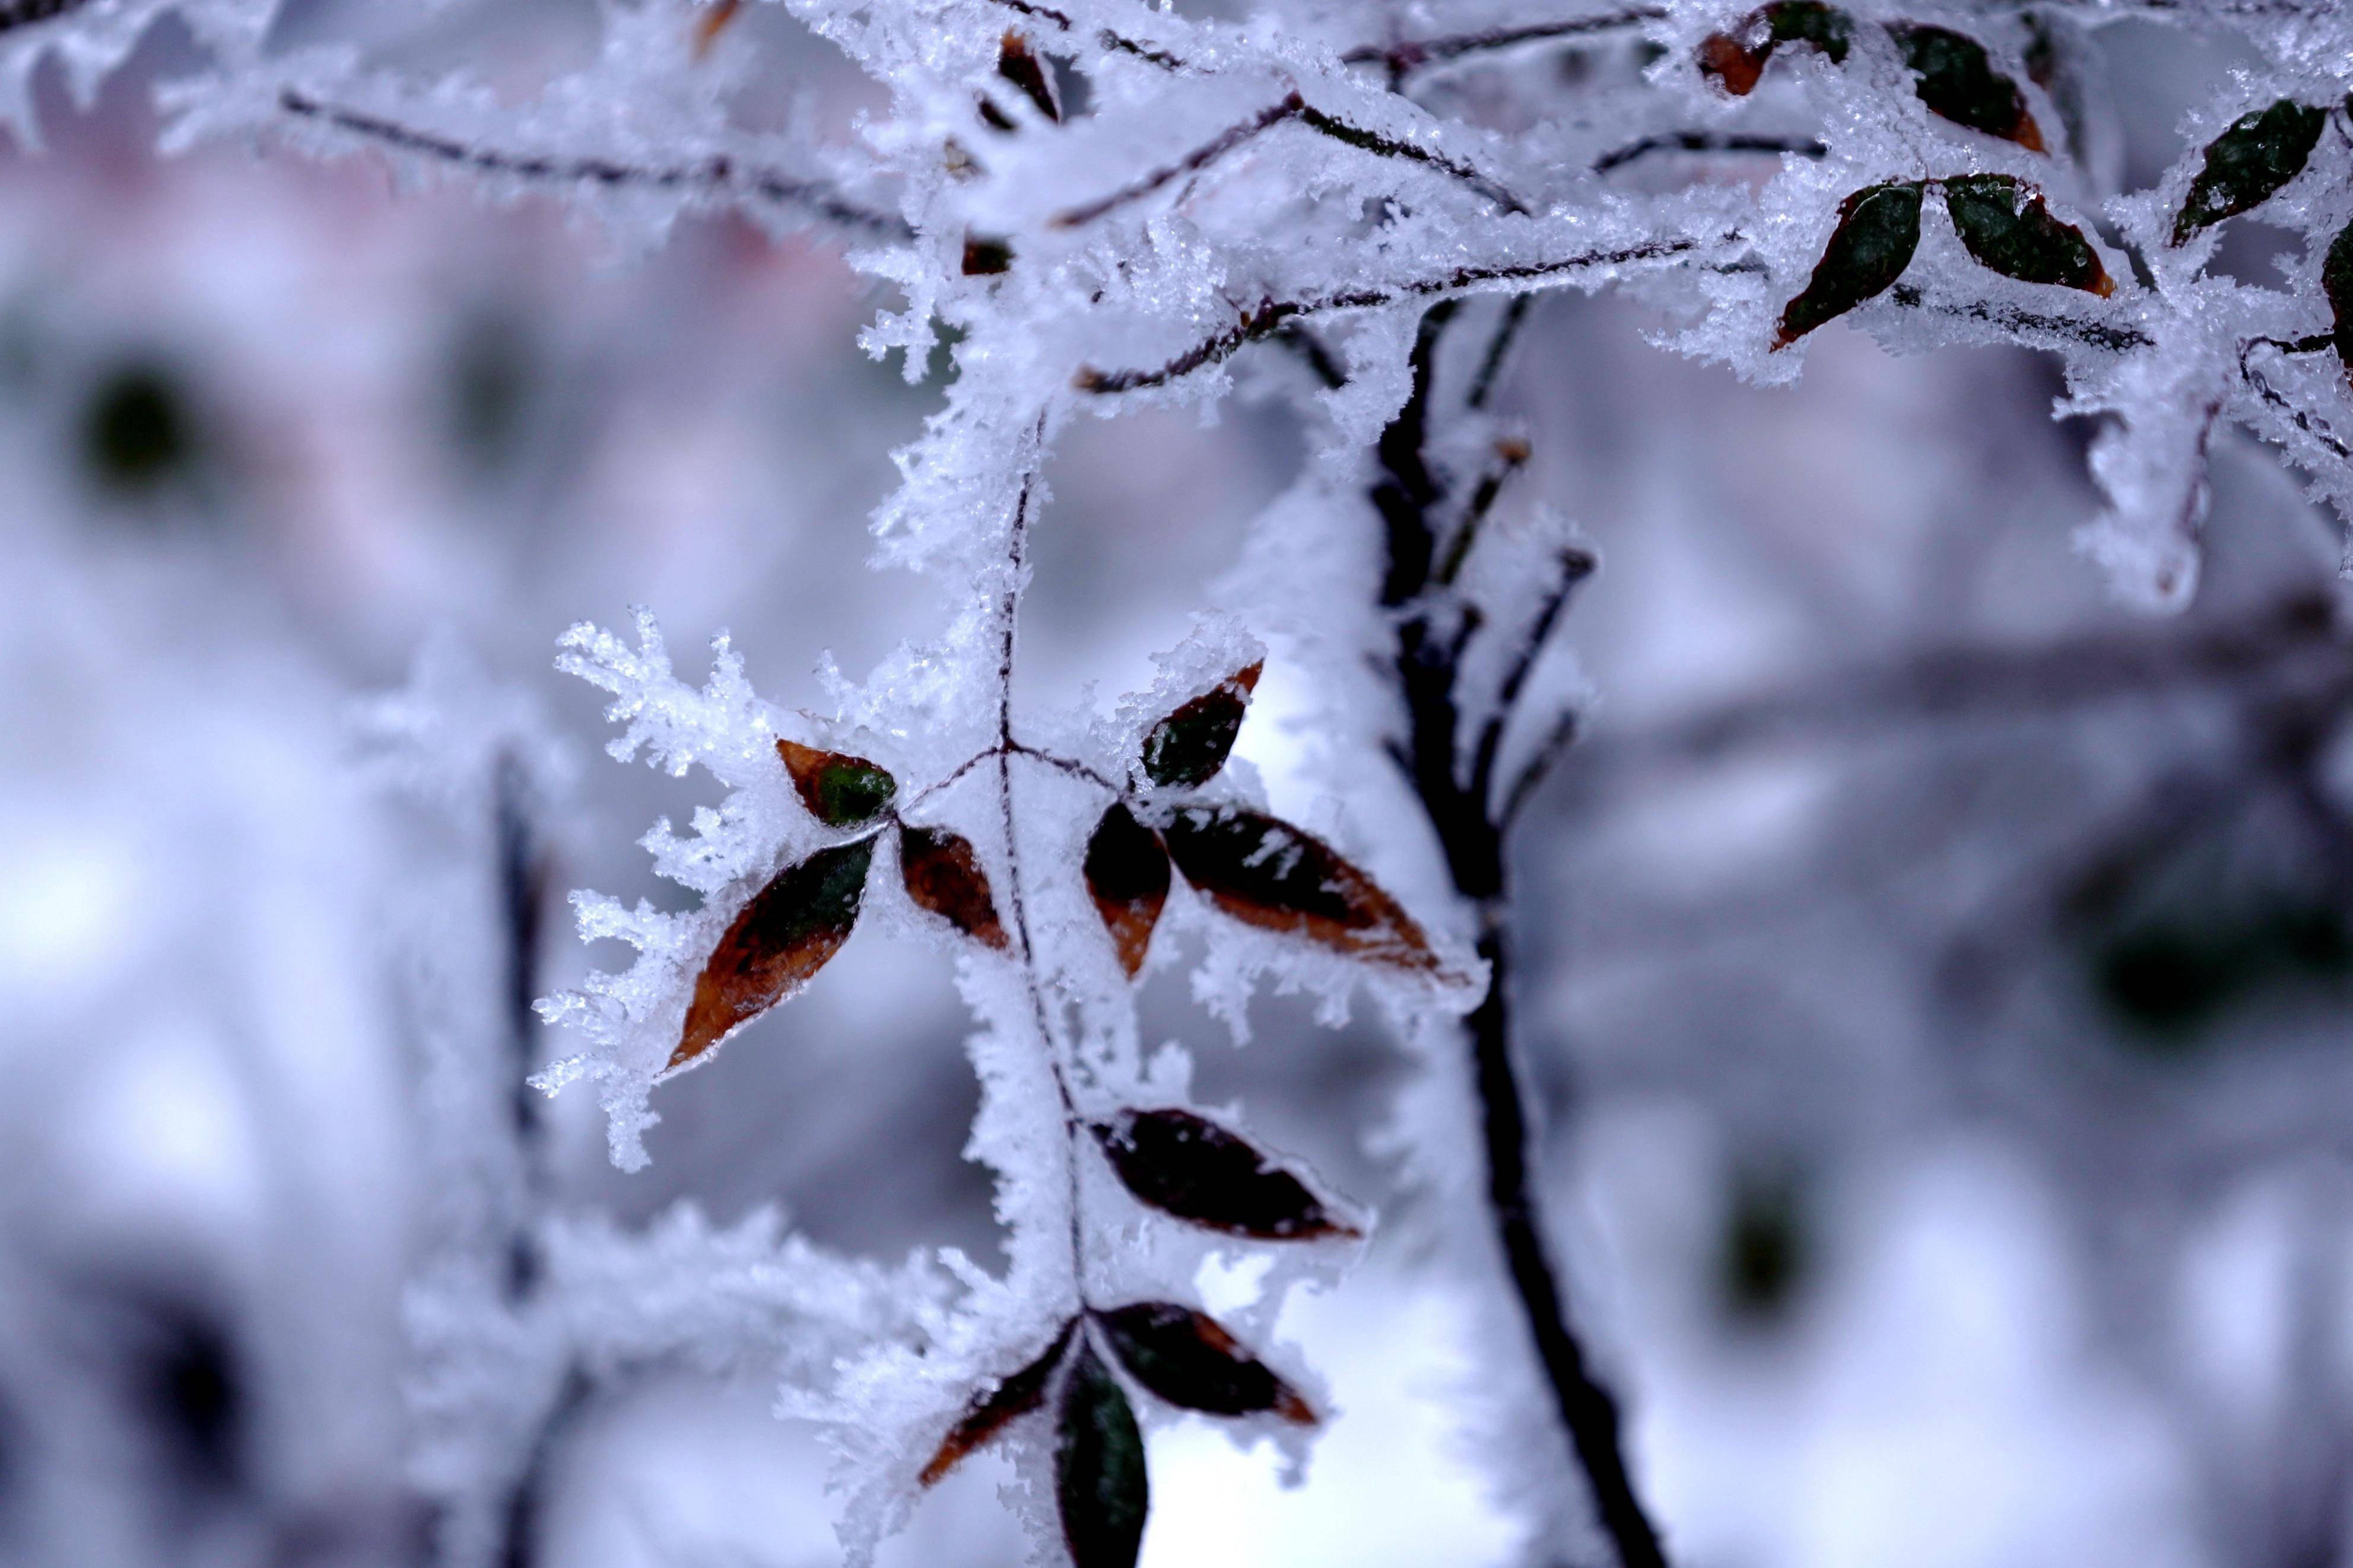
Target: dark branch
{"points": [[1433, 631], [718, 174], [24, 12]]}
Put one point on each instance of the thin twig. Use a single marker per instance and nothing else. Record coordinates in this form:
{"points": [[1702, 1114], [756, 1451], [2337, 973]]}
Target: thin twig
{"points": [[1574, 566], [1117, 42], [717, 173], [1200, 158], [1706, 142], [1499, 348], [1273, 313], [1290, 107], [2108, 337], [1401, 59]]}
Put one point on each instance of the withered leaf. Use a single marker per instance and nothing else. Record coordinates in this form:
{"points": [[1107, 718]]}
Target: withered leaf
{"points": [[1099, 1477], [1020, 64], [1878, 229], [2336, 282], [1192, 744], [991, 1413], [984, 257], [2009, 227], [2259, 153], [782, 937], [1188, 1359], [1189, 1166], [942, 875], [1127, 877], [1954, 78], [1736, 59], [1266, 873], [840, 789]]}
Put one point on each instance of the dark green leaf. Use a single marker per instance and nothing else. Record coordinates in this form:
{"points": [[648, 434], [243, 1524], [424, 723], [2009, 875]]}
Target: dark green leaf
{"points": [[2336, 282], [1955, 78], [990, 1413], [783, 938], [1191, 744], [2007, 227], [1878, 229], [1736, 59], [2259, 153], [1099, 1477], [1266, 873], [840, 789], [1127, 877], [942, 875], [1189, 1166], [1188, 1359]]}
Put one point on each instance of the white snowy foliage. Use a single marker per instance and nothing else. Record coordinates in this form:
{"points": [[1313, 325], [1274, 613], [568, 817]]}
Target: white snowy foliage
{"points": [[1294, 180]]}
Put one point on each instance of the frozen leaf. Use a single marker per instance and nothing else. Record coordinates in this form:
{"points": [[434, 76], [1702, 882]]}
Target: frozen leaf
{"points": [[1017, 64], [2244, 166], [1957, 80], [2336, 282], [1188, 1359], [783, 938], [1189, 1166], [2007, 227], [1736, 59], [840, 789], [1266, 873], [1099, 1477], [942, 875], [1127, 877], [991, 1413], [1878, 229], [984, 257], [1187, 747]]}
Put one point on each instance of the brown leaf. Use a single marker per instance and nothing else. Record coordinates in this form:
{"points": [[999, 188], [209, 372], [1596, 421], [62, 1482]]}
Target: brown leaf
{"points": [[1189, 1166], [1127, 877], [944, 876], [1266, 873], [1192, 744], [840, 789], [989, 1414], [1188, 1359], [1099, 1477], [1020, 64], [783, 938]]}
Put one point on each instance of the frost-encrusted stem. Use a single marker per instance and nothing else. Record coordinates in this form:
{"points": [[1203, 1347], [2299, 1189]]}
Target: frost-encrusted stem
{"points": [[1016, 900], [1272, 314], [1707, 141], [717, 174], [1434, 629], [1290, 107], [1404, 58]]}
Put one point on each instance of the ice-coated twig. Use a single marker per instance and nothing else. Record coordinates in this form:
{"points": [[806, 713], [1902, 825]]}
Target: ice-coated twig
{"points": [[1403, 59], [1290, 107], [1708, 142], [717, 174], [1275, 313]]}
